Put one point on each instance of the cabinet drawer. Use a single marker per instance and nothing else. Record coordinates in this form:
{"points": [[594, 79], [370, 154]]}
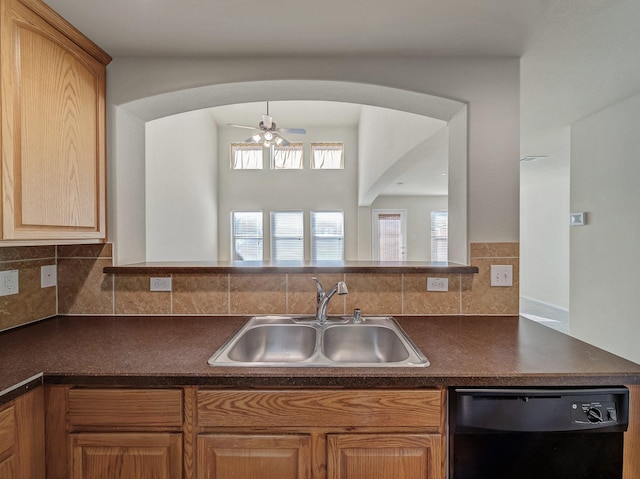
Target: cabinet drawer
{"points": [[319, 408], [125, 407], [7, 429]]}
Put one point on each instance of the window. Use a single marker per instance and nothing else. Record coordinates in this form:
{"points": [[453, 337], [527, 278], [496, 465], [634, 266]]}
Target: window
{"points": [[246, 156], [327, 156], [287, 236], [246, 232], [389, 239], [327, 235], [287, 157], [439, 235]]}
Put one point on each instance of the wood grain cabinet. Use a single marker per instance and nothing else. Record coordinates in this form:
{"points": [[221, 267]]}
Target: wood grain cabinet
{"points": [[22, 452], [53, 127], [321, 434], [115, 433]]}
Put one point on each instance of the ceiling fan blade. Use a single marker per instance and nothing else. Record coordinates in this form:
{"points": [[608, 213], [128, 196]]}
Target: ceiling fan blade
{"points": [[295, 131], [243, 126], [279, 141], [267, 121]]}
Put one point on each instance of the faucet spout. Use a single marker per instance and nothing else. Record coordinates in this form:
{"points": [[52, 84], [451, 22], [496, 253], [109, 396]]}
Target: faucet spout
{"points": [[323, 297]]}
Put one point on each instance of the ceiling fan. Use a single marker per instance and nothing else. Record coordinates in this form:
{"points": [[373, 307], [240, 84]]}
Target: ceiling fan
{"points": [[268, 133]]}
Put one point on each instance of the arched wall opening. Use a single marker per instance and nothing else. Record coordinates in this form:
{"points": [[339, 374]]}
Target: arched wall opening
{"points": [[127, 145]]}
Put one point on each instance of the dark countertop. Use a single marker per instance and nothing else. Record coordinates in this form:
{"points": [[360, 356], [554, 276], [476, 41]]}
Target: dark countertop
{"points": [[162, 351], [257, 267]]}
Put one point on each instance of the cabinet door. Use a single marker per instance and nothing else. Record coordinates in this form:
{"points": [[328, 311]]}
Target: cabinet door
{"points": [[223, 456], [8, 468], [384, 456], [53, 132], [126, 455]]}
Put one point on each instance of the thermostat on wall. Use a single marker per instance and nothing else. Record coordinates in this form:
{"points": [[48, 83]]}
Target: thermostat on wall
{"points": [[577, 219]]}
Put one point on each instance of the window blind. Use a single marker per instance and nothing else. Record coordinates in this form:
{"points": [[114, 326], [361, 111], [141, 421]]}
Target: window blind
{"points": [[247, 236], [327, 235], [439, 236], [287, 236]]}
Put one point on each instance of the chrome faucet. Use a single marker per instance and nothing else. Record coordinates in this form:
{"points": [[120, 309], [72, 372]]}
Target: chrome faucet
{"points": [[323, 298]]}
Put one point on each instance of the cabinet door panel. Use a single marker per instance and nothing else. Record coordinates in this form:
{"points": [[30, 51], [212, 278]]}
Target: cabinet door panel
{"points": [[126, 455], [384, 456], [8, 468], [53, 133], [223, 456]]}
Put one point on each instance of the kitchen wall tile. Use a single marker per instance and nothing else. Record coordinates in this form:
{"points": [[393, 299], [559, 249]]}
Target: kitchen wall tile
{"points": [[32, 302], [103, 250], [18, 253], [200, 294], [417, 300], [132, 296], [258, 294], [374, 293], [82, 286], [494, 250], [301, 293], [479, 297]]}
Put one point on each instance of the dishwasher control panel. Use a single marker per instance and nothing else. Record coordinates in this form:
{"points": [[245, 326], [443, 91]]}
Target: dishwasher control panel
{"points": [[598, 412]]}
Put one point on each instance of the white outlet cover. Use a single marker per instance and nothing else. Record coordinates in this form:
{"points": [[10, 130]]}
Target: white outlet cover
{"points": [[48, 276], [9, 282], [501, 275], [437, 284], [160, 284]]}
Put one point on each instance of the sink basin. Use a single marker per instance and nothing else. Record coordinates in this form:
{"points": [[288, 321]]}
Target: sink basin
{"points": [[363, 344], [302, 341], [275, 343]]}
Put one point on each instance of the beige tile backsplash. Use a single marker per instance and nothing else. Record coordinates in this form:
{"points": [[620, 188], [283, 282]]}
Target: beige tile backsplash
{"points": [[83, 289]]}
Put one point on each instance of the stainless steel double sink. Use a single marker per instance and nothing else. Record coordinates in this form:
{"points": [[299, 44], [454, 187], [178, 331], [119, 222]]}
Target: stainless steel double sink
{"points": [[299, 341]]}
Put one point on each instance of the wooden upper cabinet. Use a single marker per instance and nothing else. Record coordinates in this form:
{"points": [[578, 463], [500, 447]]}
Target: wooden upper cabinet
{"points": [[53, 127]]}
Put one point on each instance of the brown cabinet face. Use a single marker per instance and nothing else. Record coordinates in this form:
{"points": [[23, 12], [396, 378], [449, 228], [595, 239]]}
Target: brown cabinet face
{"points": [[383, 456], [53, 133], [126, 455], [248, 456]]}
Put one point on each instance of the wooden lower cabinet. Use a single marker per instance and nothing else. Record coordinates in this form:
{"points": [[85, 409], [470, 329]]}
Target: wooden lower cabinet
{"points": [[383, 456], [225, 456], [126, 455], [22, 453]]}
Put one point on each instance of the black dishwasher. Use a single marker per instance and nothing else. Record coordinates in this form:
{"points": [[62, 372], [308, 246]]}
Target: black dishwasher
{"points": [[527, 433]]}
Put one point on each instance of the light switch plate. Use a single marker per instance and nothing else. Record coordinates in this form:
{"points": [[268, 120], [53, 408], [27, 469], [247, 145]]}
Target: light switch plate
{"points": [[501, 275], [48, 276]]}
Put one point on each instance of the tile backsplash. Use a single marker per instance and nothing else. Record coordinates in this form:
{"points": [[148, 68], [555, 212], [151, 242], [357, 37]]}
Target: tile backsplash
{"points": [[84, 289]]}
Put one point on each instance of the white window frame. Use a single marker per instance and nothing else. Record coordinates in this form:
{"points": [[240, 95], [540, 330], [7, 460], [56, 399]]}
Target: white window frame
{"points": [[332, 146], [296, 148], [316, 235], [297, 237], [234, 237], [435, 237], [375, 237], [253, 148]]}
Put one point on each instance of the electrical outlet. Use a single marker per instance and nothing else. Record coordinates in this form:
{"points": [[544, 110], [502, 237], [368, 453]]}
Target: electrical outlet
{"points": [[501, 275], [437, 284], [9, 281], [48, 276], [161, 284]]}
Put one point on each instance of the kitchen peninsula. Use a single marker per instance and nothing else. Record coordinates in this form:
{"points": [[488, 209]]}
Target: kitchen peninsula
{"points": [[160, 364]]}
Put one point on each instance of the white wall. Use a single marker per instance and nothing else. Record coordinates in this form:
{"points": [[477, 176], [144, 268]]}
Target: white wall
{"points": [[181, 197], [544, 226], [490, 86], [418, 219], [385, 136], [306, 189], [605, 258]]}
